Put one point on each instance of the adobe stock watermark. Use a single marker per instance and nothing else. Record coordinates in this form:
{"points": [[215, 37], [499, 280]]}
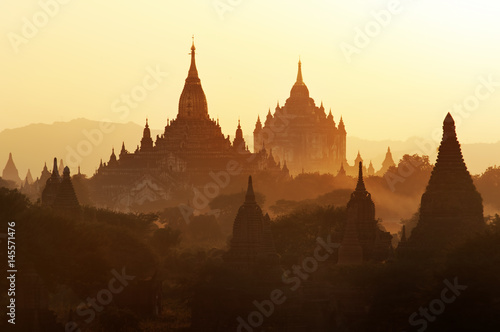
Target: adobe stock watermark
{"points": [[104, 297], [31, 26], [363, 36], [224, 6], [487, 86], [424, 316], [122, 106], [277, 296]]}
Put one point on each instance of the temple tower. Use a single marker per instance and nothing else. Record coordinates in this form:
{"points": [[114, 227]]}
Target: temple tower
{"points": [[375, 243], [361, 211], [257, 136], [10, 171], [239, 142], [252, 241], [193, 102], [66, 200], [451, 208], [302, 132], [51, 187], [387, 163], [146, 141]]}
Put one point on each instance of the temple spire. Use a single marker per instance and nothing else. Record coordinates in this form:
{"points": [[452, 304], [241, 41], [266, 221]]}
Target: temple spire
{"points": [[193, 72], [299, 73], [361, 184], [250, 196], [449, 128], [55, 172]]}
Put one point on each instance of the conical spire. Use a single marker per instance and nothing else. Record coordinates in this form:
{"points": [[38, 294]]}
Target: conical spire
{"points": [[299, 74], [66, 172], [250, 196], [451, 209], [329, 117], [29, 177], [285, 167], [55, 172], [112, 158], [361, 184], [388, 162], [258, 125], [193, 72], [341, 170], [193, 102], [450, 162], [10, 171], [341, 124], [299, 90]]}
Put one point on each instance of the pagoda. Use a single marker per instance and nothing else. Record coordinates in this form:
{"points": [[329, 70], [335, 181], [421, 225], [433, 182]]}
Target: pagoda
{"points": [[451, 208]]}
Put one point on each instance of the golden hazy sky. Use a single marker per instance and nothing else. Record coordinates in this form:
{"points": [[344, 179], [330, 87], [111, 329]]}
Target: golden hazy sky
{"points": [[413, 61]]}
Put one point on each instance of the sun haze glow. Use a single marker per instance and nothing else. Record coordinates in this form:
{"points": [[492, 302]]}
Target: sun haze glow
{"points": [[426, 57]]}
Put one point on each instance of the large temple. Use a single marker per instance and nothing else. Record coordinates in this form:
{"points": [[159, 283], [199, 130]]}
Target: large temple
{"points": [[191, 154], [302, 134], [451, 208]]}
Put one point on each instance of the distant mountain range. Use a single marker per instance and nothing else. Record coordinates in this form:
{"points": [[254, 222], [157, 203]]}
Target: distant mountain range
{"points": [[83, 142]]}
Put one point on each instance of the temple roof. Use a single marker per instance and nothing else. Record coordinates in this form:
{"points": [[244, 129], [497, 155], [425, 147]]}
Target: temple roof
{"points": [[450, 171], [299, 89], [360, 186], [193, 102], [10, 171]]}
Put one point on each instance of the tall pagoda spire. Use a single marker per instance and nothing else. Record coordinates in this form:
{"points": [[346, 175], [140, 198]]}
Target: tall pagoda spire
{"points": [[55, 172], [300, 80], [250, 195], [375, 243], [193, 102], [299, 90], [451, 208], [450, 160], [10, 171], [360, 187], [239, 141], [146, 141], [193, 72], [252, 240], [66, 199], [51, 186]]}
